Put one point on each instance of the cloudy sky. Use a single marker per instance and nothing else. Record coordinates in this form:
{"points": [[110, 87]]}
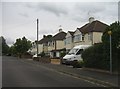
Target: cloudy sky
{"points": [[19, 18]]}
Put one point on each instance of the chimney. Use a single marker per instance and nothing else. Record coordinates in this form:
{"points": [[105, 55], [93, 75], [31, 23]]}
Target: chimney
{"points": [[60, 30], [91, 19], [44, 36]]}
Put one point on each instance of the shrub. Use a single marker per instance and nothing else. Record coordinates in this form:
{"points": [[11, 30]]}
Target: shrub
{"points": [[41, 54], [95, 57], [78, 64], [62, 54]]}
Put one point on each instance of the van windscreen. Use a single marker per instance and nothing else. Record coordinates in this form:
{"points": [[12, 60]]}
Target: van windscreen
{"points": [[73, 51]]}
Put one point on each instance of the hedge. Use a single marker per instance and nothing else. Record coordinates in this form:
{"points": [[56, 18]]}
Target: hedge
{"points": [[96, 57]]}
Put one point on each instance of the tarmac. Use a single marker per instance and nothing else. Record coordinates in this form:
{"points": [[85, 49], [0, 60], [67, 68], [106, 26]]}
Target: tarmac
{"points": [[101, 77]]}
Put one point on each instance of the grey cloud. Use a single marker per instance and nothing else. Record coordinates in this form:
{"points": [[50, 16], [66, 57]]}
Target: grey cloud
{"points": [[46, 31], [96, 9], [92, 7], [54, 8], [23, 14]]}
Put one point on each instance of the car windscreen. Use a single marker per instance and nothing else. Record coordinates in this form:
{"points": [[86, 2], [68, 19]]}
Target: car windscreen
{"points": [[73, 51]]}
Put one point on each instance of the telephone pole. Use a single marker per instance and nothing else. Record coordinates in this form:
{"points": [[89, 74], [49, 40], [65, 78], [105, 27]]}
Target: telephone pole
{"points": [[37, 36], [110, 33]]}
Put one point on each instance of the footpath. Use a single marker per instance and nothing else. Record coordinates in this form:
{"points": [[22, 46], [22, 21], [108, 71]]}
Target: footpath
{"points": [[103, 78]]}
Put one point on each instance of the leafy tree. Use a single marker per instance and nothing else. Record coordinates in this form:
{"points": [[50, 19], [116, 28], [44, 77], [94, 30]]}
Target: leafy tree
{"points": [[12, 51], [22, 46], [4, 46], [115, 29]]}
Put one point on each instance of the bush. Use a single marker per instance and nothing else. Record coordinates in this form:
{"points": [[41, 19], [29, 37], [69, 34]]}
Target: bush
{"points": [[95, 57], [78, 64], [41, 54], [62, 54]]}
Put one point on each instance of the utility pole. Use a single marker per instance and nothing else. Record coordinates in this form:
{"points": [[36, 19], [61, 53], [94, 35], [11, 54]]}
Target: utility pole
{"points": [[110, 33], [37, 36]]}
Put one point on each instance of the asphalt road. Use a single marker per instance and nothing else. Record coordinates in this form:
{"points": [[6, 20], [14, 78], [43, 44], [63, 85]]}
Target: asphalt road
{"points": [[17, 73]]}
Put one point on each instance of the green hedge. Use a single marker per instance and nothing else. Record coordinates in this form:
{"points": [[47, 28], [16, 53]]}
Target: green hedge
{"points": [[94, 57]]}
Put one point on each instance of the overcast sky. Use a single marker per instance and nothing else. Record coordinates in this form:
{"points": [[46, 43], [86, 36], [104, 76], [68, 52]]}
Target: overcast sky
{"points": [[19, 18]]}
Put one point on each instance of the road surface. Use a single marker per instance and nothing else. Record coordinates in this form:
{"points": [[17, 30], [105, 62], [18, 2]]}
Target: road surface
{"points": [[17, 73]]}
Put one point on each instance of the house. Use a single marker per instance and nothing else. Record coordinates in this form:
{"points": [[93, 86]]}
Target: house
{"points": [[56, 44], [33, 49], [69, 41], [43, 44], [90, 33]]}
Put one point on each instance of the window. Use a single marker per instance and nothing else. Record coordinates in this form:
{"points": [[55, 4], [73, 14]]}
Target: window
{"points": [[68, 40], [79, 52], [64, 41], [78, 38], [53, 44], [90, 36], [49, 43], [83, 37]]}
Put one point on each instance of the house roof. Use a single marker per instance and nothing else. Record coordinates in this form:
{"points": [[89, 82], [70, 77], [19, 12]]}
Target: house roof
{"points": [[59, 36], [71, 33], [95, 26], [44, 40]]}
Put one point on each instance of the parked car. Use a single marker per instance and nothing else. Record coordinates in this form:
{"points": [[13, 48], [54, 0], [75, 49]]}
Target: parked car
{"points": [[74, 54], [34, 55]]}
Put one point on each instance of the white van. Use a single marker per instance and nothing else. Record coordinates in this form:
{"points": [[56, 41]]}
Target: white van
{"points": [[74, 54]]}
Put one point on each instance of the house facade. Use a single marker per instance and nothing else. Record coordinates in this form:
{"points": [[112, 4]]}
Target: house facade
{"points": [[90, 33], [43, 44], [69, 41], [33, 49], [56, 44]]}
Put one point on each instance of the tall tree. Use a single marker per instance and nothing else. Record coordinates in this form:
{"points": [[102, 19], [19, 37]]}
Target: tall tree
{"points": [[115, 36], [115, 29], [22, 46], [4, 47]]}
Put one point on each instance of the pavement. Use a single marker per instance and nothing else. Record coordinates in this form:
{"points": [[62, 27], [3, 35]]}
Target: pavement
{"points": [[99, 77]]}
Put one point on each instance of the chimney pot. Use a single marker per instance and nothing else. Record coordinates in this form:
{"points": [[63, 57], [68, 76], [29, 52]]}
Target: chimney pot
{"points": [[91, 19]]}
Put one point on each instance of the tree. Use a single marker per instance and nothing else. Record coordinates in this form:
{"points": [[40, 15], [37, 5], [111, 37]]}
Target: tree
{"points": [[115, 29], [12, 51], [4, 46], [22, 46]]}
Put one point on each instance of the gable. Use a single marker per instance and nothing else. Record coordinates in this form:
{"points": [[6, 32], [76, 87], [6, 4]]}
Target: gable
{"points": [[68, 35], [77, 32]]}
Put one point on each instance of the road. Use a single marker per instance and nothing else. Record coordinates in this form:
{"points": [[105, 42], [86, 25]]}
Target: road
{"points": [[17, 73]]}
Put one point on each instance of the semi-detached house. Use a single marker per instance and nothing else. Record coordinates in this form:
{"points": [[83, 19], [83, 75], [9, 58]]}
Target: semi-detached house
{"points": [[89, 34], [56, 45], [43, 44]]}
